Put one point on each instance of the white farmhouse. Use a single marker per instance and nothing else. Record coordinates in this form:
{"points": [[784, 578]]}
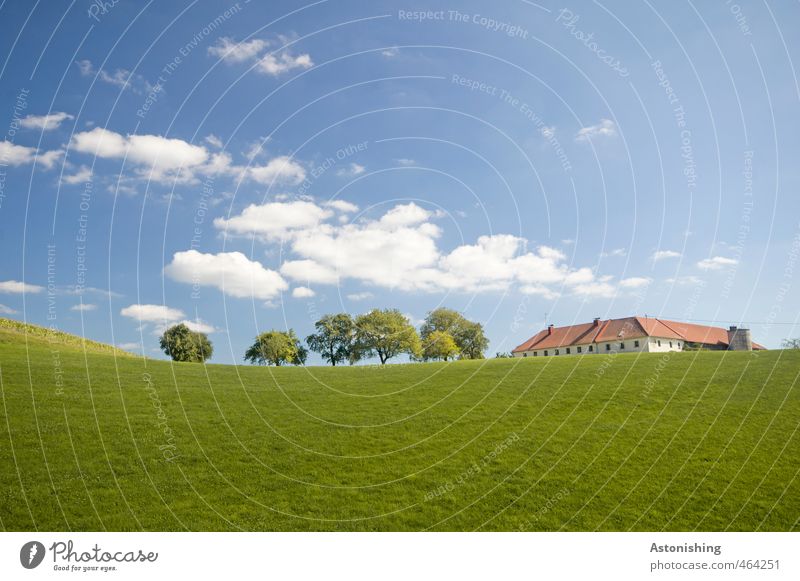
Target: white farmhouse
{"points": [[633, 334]]}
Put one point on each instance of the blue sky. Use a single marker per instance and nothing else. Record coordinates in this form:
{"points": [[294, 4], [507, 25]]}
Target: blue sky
{"points": [[248, 166]]}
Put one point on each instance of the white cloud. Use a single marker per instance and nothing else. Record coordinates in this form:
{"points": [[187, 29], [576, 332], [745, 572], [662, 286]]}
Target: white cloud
{"points": [[161, 157], [351, 170], [274, 63], [391, 52], [199, 326], [47, 122], [360, 296], [635, 282], [122, 78], [130, 346], [400, 250], [213, 140], [155, 157], [274, 220], [13, 154], [4, 310], [342, 206], [303, 292], [283, 62], [231, 51], [83, 307], [281, 169], [152, 313], [83, 175], [309, 271], [685, 280], [665, 254], [231, 272], [547, 132], [17, 287], [406, 161], [48, 159], [716, 263], [605, 128], [617, 252], [16, 155]]}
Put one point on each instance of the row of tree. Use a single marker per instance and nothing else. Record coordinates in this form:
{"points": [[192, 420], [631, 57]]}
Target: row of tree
{"points": [[444, 335]]}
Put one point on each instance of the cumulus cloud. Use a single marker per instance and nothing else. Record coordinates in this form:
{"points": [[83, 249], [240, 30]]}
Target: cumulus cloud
{"points": [[635, 282], [161, 157], [273, 63], [47, 122], [606, 128], [281, 169], [162, 318], [17, 287], [13, 154], [16, 155], [83, 175], [665, 254], [231, 272], [199, 326], [303, 292], [342, 206], [274, 220], [152, 313], [716, 263], [400, 249]]}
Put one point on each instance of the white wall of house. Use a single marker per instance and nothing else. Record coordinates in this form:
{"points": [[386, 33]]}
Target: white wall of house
{"points": [[642, 344], [663, 344]]}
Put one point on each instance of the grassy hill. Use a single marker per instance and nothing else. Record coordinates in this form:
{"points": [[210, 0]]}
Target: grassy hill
{"points": [[705, 441]]}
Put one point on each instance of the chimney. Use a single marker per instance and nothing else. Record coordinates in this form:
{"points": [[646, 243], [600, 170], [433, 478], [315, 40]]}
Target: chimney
{"points": [[596, 322], [550, 329]]}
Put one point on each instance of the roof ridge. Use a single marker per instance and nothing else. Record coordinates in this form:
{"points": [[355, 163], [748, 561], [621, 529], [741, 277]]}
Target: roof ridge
{"points": [[681, 335]]}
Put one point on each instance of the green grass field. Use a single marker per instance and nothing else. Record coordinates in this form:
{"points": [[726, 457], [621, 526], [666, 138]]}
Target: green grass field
{"points": [[90, 441]]}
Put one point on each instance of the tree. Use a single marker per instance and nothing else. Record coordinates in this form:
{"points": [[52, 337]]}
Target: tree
{"points": [[385, 333], [471, 340], [334, 339], [791, 344], [439, 345], [468, 336], [277, 348], [183, 344]]}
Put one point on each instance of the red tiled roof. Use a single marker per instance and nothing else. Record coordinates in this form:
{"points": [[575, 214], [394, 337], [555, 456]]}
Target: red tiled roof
{"points": [[627, 328]]}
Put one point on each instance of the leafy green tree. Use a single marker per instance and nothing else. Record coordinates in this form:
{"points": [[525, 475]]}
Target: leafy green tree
{"points": [[791, 344], [439, 345], [183, 344], [335, 338], [471, 340], [385, 333], [468, 335], [277, 348]]}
